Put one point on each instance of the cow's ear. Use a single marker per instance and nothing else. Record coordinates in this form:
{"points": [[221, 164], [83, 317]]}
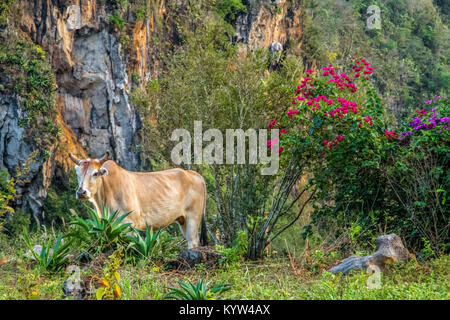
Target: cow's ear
{"points": [[103, 172]]}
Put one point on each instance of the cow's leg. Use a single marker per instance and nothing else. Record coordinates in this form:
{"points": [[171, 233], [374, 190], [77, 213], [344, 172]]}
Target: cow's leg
{"points": [[182, 224], [191, 236]]}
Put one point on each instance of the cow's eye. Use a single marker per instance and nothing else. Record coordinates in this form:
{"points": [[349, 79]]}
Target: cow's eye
{"points": [[95, 174]]}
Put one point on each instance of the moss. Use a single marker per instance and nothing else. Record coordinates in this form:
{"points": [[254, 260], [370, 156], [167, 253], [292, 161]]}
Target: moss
{"points": [[4, 12]]}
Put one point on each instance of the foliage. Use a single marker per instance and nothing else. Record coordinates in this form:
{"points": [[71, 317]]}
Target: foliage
{"points": [[229, 9], [8, 194], [50, 259], [100, 233], [4, 11], [419, 176], [155, 246], [7, 191], [15, 224], [274, 279], [116, 21], [200, 291], [110, 288], [236, 251], [145, 246]]}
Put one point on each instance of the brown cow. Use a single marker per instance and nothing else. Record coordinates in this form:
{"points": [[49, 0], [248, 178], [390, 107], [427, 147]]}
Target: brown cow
{"points": [[156, 199]]}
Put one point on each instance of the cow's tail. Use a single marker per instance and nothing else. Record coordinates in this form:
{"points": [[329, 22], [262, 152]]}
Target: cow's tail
{"points": [[203, 232]]}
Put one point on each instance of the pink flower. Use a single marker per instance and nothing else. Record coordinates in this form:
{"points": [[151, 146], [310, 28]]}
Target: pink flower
{"points": [[291, 113], [272, 124]]}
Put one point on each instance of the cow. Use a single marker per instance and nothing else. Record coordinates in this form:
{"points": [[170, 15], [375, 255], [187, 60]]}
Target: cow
{"points": [[156, 199]]}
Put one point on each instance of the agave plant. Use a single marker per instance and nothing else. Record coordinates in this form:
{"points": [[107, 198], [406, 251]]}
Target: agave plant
{"points": [[200, 291], [145, 247], [50, 258], [101, 233]]}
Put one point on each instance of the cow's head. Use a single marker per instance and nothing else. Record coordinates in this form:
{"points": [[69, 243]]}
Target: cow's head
{"points": [[88, 173]]}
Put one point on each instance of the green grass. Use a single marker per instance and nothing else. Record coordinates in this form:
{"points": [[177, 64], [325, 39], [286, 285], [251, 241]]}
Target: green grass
{"points": [[273, 278]]}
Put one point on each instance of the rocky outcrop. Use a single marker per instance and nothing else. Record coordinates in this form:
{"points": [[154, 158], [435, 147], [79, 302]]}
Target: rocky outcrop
{"points": [[269, 21]]}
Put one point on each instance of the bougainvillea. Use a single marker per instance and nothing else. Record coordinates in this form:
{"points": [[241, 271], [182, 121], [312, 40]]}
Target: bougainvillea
{"points": [[337, 128], [329, 106]]}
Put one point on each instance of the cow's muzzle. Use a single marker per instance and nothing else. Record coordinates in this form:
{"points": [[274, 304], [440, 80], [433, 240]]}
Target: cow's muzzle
{"points": [[82, 194]]}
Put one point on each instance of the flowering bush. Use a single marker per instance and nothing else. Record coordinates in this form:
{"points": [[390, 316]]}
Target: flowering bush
{"points": [[419, 175], [337, 127]]}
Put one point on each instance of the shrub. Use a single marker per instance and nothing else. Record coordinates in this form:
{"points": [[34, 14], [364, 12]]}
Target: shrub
{"points": [[145, 247], [419, 176], [26, 71], [7, 191], [336, 115], [50, 258], [236, 252], [110, 282]]}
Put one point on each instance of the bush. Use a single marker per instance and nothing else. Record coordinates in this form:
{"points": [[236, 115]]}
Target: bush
{"points": [[419, 177], [154, 246], [338, 128], [110, 281]]}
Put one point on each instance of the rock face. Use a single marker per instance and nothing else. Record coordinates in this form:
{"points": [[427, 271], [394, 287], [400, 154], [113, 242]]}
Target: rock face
{"points": [[267, 22], [90, 74], [390, 249], [16, 148]]}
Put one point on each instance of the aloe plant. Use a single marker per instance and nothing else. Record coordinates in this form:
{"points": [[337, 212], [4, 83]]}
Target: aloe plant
{"points": [[50, 258], [146, 246], [101, 233], [199, 291]]}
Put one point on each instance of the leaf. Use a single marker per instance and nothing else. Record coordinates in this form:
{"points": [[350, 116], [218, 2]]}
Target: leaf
{"points": [[117, 291], [105, 283], [100, 293], [117, 276]]}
